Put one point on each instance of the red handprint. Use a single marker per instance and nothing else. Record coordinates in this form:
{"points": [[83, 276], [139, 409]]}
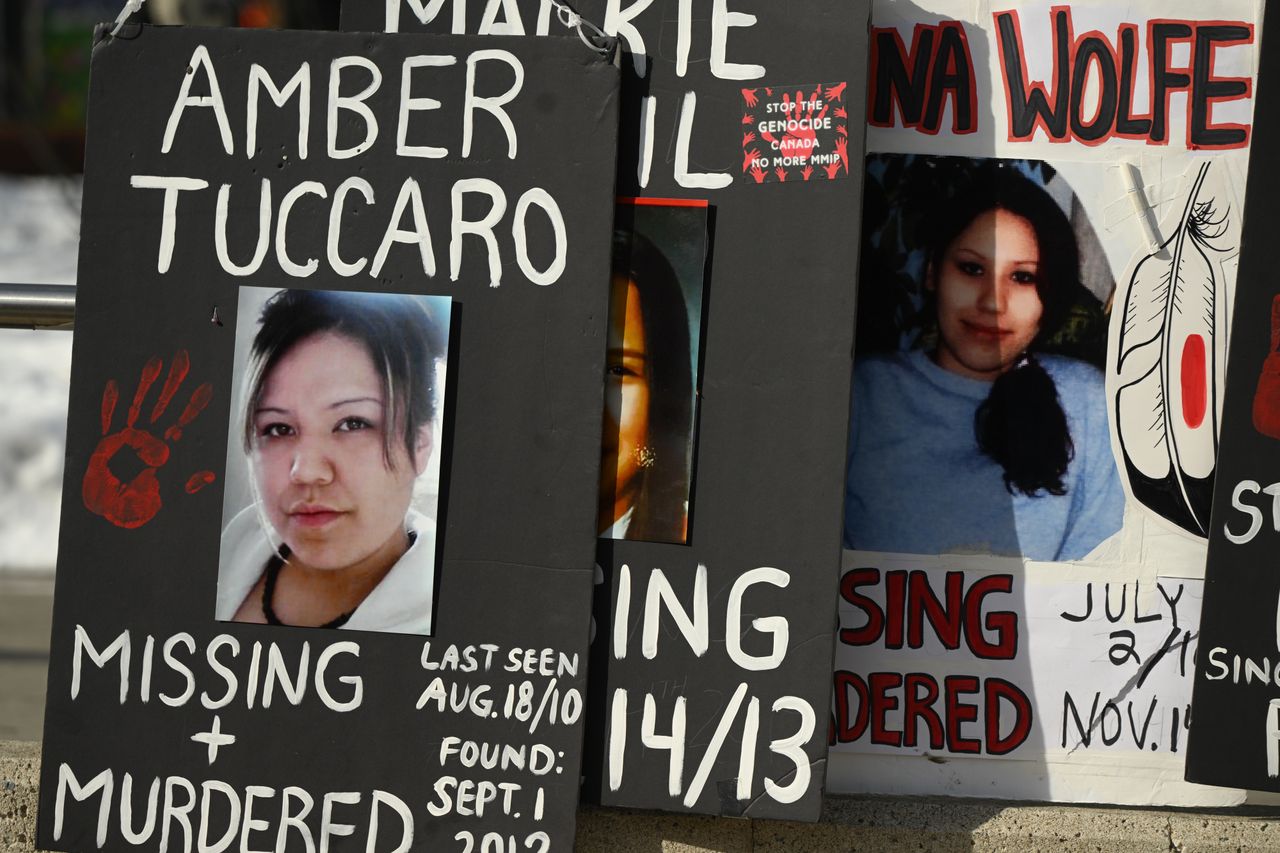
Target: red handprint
{"points": [[807, 171], [136, 502], [781, 172], [758, 174], [748, 137], [836, 92], [748, 157], [832, 169], [749, 95], [800, 141], [842, 148]]}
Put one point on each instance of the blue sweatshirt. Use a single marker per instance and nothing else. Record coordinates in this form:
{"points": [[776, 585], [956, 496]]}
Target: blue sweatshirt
{"points": [[917, 482]]}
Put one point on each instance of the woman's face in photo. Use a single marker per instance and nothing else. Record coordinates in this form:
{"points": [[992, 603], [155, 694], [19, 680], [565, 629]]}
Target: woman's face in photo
{"points": [[318, 457], [988, 306], [626, 426]]}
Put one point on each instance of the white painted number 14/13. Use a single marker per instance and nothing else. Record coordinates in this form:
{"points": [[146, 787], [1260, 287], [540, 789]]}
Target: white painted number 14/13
{"points": [[695, 629]]}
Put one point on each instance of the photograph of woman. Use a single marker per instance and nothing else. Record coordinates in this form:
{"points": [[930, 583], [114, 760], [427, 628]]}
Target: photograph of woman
{"points": [[338, 426], [647, 441], [979, 419]]}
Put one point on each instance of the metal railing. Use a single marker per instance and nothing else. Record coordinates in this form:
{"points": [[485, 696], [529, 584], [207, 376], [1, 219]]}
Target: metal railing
{"points": [[37, 306]]}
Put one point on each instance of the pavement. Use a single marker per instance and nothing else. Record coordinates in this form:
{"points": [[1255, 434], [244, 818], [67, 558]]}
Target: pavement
{"points": [[26, 614]]}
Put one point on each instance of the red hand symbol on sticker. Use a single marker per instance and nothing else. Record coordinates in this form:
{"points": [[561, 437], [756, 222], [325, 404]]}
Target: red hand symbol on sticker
{"points": [[136, 502], [800, 138]]}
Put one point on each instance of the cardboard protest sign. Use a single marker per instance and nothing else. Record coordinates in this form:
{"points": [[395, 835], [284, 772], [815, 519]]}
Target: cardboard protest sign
{"points": [[1235, 731], [1055, 674], [1035, 406], [370, 266], [713, 643]]}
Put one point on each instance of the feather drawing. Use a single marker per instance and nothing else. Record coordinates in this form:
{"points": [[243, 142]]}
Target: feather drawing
{"points": [[1166, 396]]}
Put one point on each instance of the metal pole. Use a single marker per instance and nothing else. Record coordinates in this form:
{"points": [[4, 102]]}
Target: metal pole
{"points": [[37, 306]]}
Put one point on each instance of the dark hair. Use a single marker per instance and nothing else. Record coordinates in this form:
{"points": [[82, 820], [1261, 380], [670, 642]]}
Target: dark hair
{"points": [[398, 331], [659, 506], [1021, 424]]}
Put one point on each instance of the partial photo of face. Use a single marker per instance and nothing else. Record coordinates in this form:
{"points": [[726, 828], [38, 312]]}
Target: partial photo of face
{"points": [[656, 300], [626, 415], [332, 523]]}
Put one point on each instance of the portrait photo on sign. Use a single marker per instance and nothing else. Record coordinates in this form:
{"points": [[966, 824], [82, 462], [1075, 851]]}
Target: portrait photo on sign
{"points": [[652, 369], [333, 461], [979, 412]]}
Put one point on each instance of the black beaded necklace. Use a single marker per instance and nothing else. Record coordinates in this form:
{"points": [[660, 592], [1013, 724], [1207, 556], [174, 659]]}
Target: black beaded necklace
{"points": [[274, 565]]}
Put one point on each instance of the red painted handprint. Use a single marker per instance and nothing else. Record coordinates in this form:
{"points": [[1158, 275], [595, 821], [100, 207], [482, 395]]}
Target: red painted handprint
{"points": [[750, 96], [136, 502], [758, 174], [781, 172], [799, 141], [749, 157], [836, 93]]}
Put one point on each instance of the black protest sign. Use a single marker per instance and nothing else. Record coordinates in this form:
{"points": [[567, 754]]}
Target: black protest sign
{"points": [[371, 265], [712, 657], [1235, 721]]}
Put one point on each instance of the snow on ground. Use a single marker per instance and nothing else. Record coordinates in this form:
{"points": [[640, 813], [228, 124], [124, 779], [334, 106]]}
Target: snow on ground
{"points": [[39, 237]]}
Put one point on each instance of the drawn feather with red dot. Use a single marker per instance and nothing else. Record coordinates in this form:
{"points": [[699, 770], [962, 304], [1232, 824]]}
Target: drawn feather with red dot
{"points": [[1169, 360]]}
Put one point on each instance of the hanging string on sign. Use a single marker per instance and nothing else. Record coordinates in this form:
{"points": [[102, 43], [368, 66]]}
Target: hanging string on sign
{"points": [[598, 40], [130, 7], [590, 34]]}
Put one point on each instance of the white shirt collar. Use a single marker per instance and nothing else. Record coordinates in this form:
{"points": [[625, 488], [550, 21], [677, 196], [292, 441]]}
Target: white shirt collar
{"points": [[401, 604]]}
